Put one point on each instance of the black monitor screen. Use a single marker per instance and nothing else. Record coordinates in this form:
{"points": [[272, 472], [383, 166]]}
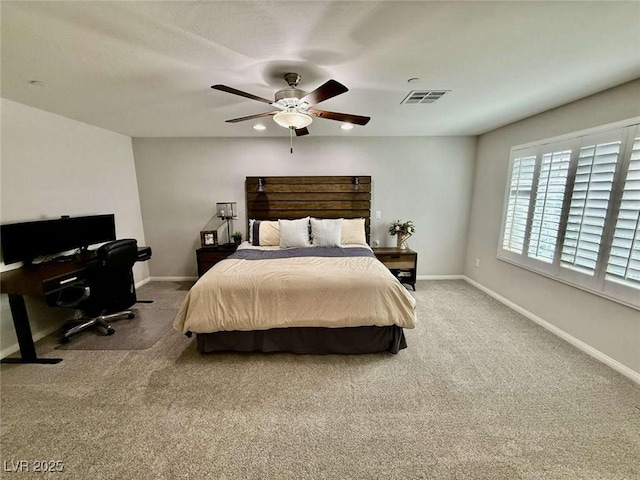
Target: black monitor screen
{"points": [[22, 242]]}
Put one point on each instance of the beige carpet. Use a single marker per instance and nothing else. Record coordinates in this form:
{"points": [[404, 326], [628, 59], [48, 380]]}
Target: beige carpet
{"points": [[481, 393]]}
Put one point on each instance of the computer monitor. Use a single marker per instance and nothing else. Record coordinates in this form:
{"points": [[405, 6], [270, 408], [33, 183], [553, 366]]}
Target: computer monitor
{"points": [[22, 242]]}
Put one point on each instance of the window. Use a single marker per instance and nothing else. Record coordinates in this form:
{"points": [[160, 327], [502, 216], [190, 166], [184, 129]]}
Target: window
{"points": [[572, 211]]}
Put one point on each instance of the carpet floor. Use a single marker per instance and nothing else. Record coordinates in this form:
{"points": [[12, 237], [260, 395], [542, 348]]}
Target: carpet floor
{"points": [[480, 393]]}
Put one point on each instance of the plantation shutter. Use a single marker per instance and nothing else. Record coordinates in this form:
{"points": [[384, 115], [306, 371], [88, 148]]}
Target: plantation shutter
{"points": [[623, 265], [592, 189], [518, 203], [572, 210], [547, 210]]}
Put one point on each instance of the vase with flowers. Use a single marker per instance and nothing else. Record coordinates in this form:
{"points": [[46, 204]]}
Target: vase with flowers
{"points": [[403, 230]]}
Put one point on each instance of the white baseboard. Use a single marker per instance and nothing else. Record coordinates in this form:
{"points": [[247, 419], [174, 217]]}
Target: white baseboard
{"points": [[418, 277], [173, 279], [586, 348], [143, 282], [440, 277]]}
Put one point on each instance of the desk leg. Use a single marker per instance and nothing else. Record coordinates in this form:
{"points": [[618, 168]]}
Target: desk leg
{"points": [[23, 332]]}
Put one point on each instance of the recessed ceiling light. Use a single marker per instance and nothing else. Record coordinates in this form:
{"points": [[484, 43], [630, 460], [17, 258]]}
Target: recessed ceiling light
{"points": [[413, 80], [259, 126], [346, 126]]}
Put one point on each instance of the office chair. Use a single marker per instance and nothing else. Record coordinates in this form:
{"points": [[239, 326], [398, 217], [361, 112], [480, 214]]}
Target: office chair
{"points": [[107, 293]]}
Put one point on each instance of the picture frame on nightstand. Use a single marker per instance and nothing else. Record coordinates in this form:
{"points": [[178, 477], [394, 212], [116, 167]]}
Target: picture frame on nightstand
{"points": [[209, 238]]}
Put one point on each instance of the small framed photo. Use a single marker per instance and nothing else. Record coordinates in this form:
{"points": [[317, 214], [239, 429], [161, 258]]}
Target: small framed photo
{"points": [[209, 238]]}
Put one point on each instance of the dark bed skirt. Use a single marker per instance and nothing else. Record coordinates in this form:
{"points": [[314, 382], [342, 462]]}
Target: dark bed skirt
{"points": [[306, 340]]}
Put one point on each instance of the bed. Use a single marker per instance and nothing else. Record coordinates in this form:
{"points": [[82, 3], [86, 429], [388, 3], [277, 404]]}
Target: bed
{"points": [[307, 299]]}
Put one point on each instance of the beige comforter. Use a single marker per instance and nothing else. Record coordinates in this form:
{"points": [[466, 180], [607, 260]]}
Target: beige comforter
{"points": [[295, 292]]}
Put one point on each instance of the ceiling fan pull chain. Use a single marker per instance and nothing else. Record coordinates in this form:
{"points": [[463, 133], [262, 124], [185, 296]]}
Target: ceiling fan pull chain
{"points": [[291, 138]]}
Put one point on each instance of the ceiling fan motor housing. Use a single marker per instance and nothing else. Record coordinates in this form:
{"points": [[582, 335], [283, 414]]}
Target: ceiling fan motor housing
{"points": [[289, 93]]}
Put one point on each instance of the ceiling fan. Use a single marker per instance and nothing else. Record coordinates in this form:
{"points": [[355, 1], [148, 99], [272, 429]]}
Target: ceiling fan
{"points": [[295, 107]]}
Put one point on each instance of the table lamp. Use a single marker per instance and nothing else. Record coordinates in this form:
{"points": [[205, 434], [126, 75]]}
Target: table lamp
{"points": [[227, 212]]}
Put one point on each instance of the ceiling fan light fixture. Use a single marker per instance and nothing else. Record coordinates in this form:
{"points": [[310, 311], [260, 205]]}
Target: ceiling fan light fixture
{"points": [[292, 119]]}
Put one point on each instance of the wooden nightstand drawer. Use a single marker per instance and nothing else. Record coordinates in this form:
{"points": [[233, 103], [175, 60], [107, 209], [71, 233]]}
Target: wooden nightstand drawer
{"points": [[398, 260], [212, 256], [207, 257]]}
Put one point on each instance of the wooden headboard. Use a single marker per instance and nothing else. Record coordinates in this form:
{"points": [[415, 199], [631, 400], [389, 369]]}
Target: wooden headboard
{"points": [[320, 197]]}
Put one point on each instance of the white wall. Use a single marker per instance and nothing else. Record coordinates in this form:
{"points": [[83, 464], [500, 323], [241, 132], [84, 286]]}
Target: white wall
{"points": [[603, 324], [54, 166], [427, 180]]}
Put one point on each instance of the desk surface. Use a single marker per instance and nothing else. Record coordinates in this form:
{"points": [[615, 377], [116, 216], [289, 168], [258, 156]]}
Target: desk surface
{"points": [[38, 280]]}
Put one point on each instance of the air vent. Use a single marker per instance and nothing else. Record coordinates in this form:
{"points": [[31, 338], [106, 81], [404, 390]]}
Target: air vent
{"points": [[423, 96]]}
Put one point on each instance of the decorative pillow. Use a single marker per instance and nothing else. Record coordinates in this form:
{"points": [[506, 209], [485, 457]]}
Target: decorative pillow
{"points": [[353, 231], [294, 233], [326, 232], [254, 232], [265, 233], [250, 231]]}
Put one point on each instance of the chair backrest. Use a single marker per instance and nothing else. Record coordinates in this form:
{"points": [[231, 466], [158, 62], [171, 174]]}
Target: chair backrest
{"points": [[119, 254], [111, 281]]}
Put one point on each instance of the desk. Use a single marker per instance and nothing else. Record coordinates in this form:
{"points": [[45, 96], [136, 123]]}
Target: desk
{"points": [[39, 281]]}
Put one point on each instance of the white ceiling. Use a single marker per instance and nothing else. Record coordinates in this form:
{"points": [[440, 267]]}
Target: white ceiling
{"points": [[145, 69]]}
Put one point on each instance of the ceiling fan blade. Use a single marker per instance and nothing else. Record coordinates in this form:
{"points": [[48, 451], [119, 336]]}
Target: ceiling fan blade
{"points": [[224, 88], [251, 117], [340, 117], [324, 92], [301, 131]]}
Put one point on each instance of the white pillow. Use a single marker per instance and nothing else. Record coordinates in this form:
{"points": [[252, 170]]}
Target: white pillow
{"points": [[294, 233], [267, 235], [353, 231], [326, 232]]}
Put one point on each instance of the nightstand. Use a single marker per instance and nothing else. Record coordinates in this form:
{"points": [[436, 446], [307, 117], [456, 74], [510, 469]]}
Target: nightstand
{"points": [[402, 263], [207, 257]]}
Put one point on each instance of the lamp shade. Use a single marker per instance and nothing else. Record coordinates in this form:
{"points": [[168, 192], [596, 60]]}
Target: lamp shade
{"points": [[226, 210], [292, 119]]}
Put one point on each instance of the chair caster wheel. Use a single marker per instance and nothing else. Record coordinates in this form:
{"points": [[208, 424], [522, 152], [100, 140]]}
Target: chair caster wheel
{"points": [[64, 340], [130, 316], [110, 331]]}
